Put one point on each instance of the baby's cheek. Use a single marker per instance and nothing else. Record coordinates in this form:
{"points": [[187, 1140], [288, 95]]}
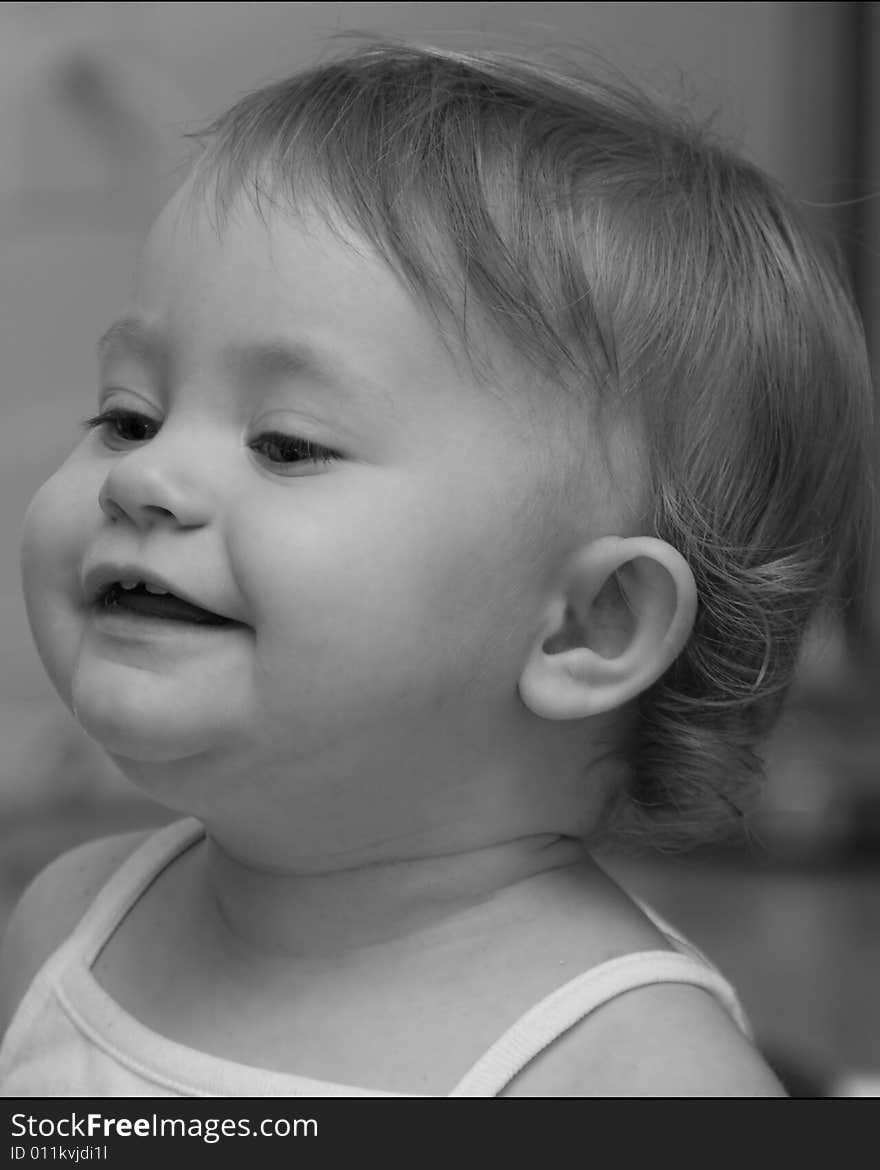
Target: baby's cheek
{"points": [[45, 537], [51, 548]]}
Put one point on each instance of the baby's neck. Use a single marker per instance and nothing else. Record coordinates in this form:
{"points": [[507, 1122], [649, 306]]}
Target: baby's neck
{"points": [[343, 911]]}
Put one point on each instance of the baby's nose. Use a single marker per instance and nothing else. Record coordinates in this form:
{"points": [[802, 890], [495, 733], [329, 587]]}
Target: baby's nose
{"points": [[145, 490]]}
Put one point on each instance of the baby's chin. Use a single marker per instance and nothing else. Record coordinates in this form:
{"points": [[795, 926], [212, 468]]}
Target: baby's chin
{"points": [[135, 731], [175, 765]]}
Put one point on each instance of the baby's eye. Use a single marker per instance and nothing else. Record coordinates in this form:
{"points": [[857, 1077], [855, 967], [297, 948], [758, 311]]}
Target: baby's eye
{"points": [[283, 450], [122, 426]]}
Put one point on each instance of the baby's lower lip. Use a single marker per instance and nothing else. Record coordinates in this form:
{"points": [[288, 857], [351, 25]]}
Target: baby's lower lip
{"points": [[164, 606], [127, 623]]}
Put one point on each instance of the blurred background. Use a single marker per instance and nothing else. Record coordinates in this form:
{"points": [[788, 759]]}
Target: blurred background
{"points": [[94, 102]]}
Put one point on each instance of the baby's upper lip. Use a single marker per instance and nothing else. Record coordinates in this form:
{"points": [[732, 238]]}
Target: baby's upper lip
{"points": [[98, 578]]}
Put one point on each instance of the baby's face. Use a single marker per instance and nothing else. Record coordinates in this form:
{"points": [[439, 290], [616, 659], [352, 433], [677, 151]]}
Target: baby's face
{"points": [[287, 445]]}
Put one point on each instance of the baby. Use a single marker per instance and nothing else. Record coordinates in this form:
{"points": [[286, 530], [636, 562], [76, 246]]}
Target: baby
{"points": [[470, 460]]}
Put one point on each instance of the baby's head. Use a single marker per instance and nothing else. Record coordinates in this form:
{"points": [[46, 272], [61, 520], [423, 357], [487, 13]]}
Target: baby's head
{"points": [[512, 425]]}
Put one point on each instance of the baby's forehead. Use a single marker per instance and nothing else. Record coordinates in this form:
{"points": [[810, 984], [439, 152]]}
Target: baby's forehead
{"points": [[283, 269], [294, 269], [296, 278]]}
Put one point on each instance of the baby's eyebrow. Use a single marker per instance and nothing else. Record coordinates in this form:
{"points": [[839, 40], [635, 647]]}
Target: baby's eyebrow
{"points": [[133, 335], [264, 362], [258, 362], [274, 359]]}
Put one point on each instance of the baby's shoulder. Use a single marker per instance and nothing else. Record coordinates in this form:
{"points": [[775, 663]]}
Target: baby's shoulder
{"points": [[50, 908], [662, 1040], [656, 1039]]}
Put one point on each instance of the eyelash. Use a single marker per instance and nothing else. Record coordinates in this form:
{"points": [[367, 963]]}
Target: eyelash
{"points": [[304, 448]]}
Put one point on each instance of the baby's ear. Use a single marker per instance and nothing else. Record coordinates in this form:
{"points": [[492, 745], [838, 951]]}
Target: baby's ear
{"points": [[622, 613]]}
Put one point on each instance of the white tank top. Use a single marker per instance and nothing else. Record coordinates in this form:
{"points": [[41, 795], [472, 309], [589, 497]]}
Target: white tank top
{"points": [[69, 1038]]}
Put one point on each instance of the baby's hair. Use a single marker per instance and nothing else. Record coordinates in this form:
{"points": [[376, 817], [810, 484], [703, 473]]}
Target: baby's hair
{"points": [[633, 260]]}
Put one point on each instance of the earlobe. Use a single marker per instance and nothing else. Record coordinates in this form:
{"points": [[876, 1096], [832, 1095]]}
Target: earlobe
{"points": [[622, 614]]}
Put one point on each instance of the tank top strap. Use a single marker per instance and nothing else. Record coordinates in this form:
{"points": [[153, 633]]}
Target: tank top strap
{"points": [[562, 1009], [126, 885]]}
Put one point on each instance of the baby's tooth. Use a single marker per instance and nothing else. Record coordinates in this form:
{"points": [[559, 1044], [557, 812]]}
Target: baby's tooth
{"points": [[154, 588], [130, 584]]}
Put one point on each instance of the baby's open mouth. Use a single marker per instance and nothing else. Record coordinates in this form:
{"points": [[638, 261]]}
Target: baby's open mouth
{"points": [[149, 601]]}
